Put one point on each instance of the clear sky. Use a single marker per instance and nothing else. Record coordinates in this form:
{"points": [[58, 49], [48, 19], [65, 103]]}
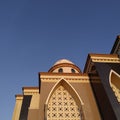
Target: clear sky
{"points": [[34, 34]]}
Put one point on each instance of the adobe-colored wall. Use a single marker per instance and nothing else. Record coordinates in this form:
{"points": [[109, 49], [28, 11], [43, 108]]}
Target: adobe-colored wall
{"points": [[33, 114], [85, 92]]}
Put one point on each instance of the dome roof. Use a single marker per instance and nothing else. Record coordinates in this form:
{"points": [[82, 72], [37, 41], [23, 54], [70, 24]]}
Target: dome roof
{"points": [[63, 61], [65, 66]]}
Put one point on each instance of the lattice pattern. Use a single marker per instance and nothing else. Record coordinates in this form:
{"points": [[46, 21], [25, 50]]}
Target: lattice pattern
{"points": [[116, 91], [62, 106]]}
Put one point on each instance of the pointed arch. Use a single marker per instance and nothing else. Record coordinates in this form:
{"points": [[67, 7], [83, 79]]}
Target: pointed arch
{"points": [[68, 86], [114, 80], [63, 102]]}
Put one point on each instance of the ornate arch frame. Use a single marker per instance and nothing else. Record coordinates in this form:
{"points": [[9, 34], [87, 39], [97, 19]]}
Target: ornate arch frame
{"points": [[115, 84], [70, 89]]}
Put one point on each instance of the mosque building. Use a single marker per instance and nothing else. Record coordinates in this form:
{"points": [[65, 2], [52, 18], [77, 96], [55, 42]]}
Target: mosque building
{"points": [[66, 93]]}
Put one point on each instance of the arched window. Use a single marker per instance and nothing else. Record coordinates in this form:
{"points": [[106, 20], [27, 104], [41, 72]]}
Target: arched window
{"points": [[60, 70], [115, 84], [72, 70], [62, 105]]}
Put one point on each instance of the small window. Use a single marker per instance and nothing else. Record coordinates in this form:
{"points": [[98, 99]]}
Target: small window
{"points": [[60, 70], [72, 70]]}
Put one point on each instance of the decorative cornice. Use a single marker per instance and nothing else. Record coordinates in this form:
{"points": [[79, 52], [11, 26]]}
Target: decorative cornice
{"points": [[109, 58], [46, 74], [71, 79], [101, 58], [53, 77], [30, 90], [61, 74], [19, 97]]}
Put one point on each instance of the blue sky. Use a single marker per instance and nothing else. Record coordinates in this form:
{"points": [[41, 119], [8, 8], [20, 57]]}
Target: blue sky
{"points": [[34, 34]]}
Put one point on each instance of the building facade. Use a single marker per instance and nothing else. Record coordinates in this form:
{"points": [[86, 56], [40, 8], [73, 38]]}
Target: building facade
{"points": [[66, 93]]}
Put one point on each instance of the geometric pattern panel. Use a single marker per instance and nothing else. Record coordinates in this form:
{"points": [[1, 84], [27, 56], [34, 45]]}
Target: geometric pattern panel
{"points": [[62, 106], [116, 91]]}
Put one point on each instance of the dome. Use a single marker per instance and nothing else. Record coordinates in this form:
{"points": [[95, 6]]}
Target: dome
{"points": [[63, 61], [64, 66]]}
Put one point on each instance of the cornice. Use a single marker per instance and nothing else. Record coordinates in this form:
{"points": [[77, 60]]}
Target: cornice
{"points": [[30, 90], [109, 58], [53, 77], [19, 97], [61, 74], [72, 79], [101, 58]]}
